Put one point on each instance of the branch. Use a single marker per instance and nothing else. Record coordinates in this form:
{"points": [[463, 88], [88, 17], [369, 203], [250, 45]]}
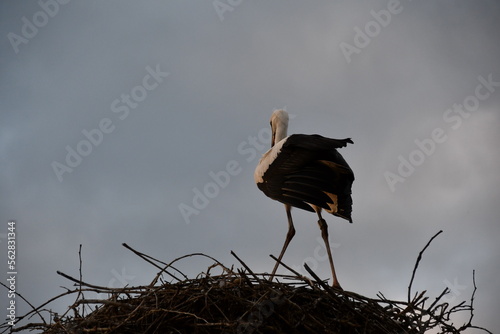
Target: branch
{"points": [[418, 261]]}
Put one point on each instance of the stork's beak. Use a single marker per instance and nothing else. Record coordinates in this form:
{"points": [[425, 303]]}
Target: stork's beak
{"points": [[273, 137]]}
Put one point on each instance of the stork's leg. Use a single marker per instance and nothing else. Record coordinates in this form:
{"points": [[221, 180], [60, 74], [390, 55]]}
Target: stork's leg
{"points": [[289, 236], [324, 234]]}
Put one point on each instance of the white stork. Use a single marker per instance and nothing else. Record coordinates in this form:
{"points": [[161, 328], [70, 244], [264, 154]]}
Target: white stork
{"points": [[307, 172]]}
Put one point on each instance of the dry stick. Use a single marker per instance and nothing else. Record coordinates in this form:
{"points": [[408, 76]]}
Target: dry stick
{"points": [[438, 298], [79, 289], [418, 261], [327, 288], [84, 283], [244, 265], [245, 277], [469, 324], [284, 265], [298, 275], [472, 297], [143, 255], [80, 293], [183, 257], [34, 309], [147, 259], [38, 309]]}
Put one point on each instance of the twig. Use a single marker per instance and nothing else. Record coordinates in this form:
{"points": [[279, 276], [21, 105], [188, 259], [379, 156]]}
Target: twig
{"points": [[34, 309], [469, 323], [418, 261], [147, 259], [325, 286], [302, 277], [77, 281], [246, 267], [183, 257], [80, 293]]}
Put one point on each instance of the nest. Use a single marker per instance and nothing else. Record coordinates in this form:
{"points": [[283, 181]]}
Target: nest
{"points": [[240, 301]]}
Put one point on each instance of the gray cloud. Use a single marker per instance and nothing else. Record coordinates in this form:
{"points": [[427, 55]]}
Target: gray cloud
{"points": [[225, 78]]}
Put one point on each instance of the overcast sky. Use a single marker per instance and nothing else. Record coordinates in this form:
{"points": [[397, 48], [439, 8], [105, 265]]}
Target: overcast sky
{"points": [[117, 118]]}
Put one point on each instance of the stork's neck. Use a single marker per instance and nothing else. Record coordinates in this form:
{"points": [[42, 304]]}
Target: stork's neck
{"points": [[280, 132], [279, 125]]}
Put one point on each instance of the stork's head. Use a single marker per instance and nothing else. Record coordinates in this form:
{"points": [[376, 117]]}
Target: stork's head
{"points": [[279, 125]]}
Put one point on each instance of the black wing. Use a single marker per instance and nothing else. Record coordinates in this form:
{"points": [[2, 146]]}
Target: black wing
{"points": [[307, 168]]}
